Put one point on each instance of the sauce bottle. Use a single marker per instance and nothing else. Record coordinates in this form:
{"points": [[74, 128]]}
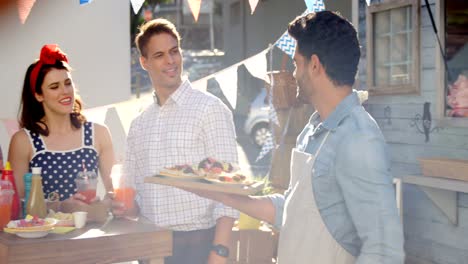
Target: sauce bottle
{"points": [[36, 205], [7, 175], [27, 190]]}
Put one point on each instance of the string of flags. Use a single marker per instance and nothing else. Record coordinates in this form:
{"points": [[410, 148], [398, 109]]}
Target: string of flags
{"points": [[25, 6], [227, 78]]}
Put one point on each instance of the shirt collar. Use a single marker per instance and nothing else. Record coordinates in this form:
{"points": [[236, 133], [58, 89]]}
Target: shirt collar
{"points": [[340, 112], [177, 96]]}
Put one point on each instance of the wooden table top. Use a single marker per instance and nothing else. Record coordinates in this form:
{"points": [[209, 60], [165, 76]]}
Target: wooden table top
{"points": [[116, 241]]}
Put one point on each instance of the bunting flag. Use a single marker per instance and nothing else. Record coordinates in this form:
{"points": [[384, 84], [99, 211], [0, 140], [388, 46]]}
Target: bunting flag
{"points": [[368, 2], [315, 5], [227, 80], [24, 8], [11, 126], [257, 65], [267, 147], [136, 5], [96, 114], [253, 5], [286, 44], [200, 84], [272, 115], [84, 2], [195, 8]]}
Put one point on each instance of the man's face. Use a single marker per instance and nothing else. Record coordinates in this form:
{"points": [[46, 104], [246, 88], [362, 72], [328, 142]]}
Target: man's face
{"points": [[163, 61], [302, 77]]}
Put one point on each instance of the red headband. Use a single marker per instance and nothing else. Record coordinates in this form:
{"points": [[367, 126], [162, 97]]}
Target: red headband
{"points": [[49, 55]]}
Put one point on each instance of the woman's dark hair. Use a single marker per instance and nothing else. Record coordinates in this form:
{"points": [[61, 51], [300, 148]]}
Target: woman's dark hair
{"points": [[31, 111], [333, 39]]}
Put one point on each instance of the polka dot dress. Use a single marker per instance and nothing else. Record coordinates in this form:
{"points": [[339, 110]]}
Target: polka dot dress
{"points": [[59, 168]]}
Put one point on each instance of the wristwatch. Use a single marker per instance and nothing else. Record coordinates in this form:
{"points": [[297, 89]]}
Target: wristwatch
{"points": [[220, 250]]}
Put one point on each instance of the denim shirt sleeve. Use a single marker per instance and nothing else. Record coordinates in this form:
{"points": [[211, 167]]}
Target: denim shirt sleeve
{"points": [[278, 202], [362, 172]]}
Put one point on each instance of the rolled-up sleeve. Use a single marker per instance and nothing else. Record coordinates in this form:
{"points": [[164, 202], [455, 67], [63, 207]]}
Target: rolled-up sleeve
{"points": [[363, 173], [278, 203]]}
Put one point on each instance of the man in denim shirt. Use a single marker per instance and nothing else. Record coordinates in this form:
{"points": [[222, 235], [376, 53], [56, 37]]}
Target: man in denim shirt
{"points": [[340, 207]]}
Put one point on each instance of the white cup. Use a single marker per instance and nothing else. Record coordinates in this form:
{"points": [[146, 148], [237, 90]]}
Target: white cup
{"points": [[80, 219]]}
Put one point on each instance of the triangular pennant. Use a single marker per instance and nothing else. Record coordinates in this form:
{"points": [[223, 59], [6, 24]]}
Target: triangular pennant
{"points": [[195, 8], [24, 8], [253, 5], [136, 5], [287, 44], [84, 2], [257, 65], [11, 126], [96, 114], [272, 115], [200, 84], [227, 80], [368, 2], [315, 5], [267, 147]]}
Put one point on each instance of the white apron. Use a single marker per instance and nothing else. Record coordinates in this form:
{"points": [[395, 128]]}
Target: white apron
{"points": [[304, 238]]}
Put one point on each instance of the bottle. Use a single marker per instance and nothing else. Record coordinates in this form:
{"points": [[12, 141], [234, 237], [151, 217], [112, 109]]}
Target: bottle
{"points": [[7, 175], [36, 203], [27, 190]]}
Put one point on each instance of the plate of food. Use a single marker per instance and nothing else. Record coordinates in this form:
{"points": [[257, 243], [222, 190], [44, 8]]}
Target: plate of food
{"points": [[63, 219], [187, 172], [229, 179], [31, 227], [33, 234]]}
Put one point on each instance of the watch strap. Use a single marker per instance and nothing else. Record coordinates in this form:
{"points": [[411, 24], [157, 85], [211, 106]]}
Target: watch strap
{"points": [[220, 250]]}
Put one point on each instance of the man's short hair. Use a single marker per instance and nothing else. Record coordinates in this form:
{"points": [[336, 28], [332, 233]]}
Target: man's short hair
{"points": [[151, 28], [333, 39]]}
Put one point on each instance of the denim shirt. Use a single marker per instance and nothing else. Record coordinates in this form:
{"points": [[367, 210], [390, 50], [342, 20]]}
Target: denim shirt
{"points": [[352, 184]]}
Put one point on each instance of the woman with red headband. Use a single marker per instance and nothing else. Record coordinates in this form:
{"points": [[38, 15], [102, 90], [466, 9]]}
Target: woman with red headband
{"points": [[55, 135]]}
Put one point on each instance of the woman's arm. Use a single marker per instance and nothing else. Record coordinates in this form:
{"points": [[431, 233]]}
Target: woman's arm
{"points": [[19, 155], [106, 155]]}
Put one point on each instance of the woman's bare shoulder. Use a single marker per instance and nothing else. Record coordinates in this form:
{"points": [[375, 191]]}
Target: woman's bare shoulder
{"points": [[20, 141], [101, 129], [20, 136]]}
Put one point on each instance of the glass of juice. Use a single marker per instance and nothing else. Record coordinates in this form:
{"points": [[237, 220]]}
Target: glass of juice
{"points": [[123, 187], [86, 183], [5, 207]]}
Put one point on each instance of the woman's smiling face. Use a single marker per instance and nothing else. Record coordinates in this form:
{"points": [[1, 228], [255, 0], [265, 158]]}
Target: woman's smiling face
{"points": [[58, 92]]}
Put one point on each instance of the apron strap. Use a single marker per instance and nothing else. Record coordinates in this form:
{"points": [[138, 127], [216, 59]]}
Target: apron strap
{"points": [[319, 148], [321, 144]]}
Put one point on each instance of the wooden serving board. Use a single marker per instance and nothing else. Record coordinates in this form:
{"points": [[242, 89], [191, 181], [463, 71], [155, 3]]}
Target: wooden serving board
{"points": [[201, 184]]}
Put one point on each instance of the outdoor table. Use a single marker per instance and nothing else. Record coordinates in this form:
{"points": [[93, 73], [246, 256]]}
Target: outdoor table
{"points": [[115, 241], [441, 191]]}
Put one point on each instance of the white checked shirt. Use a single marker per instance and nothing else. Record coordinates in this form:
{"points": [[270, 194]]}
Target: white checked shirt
{"points": [[189, 127]]}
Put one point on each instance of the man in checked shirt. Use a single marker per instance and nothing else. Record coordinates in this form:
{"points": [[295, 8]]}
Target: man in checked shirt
{"points": [[182, 126]]}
